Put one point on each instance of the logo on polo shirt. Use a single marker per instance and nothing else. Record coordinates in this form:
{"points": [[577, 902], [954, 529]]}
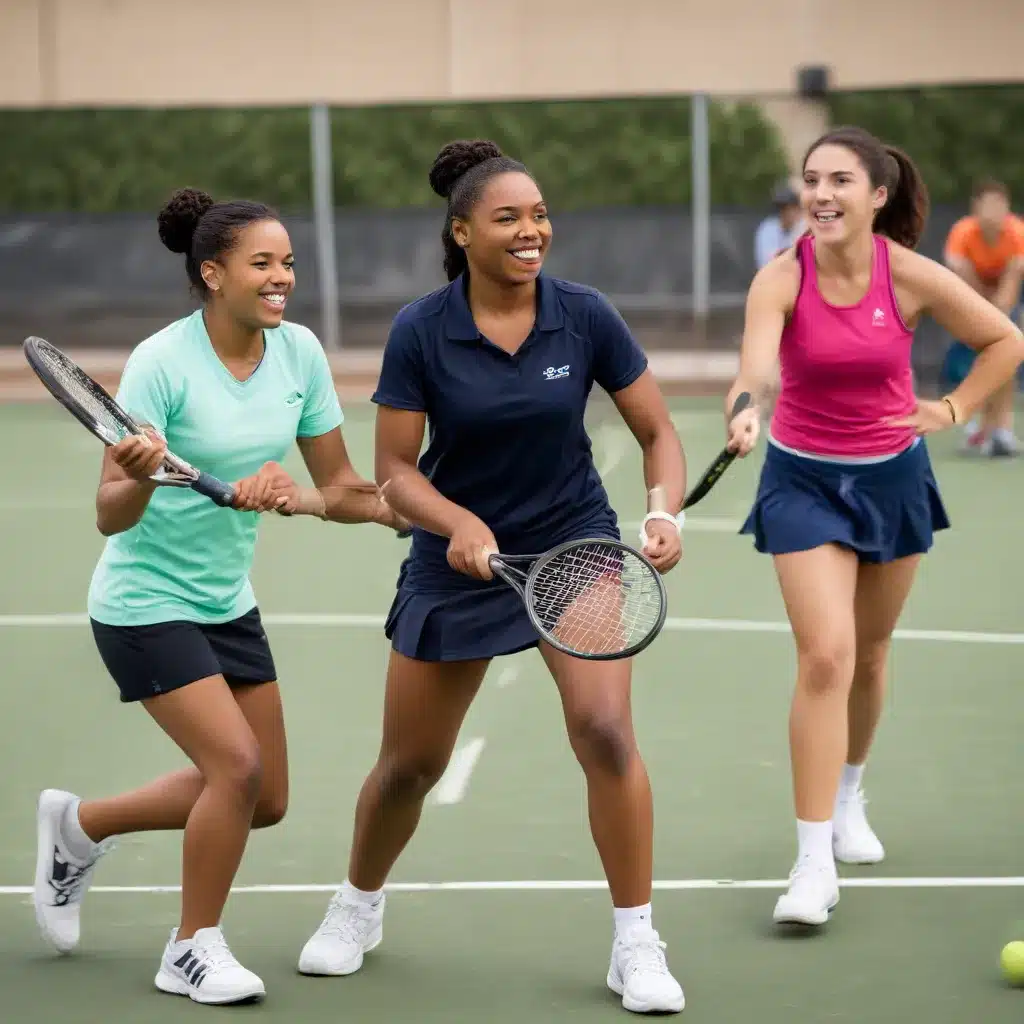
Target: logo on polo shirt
{"points": [[294, 398], [553, 373]]}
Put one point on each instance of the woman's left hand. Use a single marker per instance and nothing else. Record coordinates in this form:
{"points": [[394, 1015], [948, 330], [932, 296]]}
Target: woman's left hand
{"points": [[664, 545], [928, 418], [269, 489]]}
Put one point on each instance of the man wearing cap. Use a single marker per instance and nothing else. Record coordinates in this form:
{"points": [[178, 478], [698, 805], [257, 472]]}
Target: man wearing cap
{"points": [[778, 232]]}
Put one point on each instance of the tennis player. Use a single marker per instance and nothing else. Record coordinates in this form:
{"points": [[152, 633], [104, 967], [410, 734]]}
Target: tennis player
{"points": [[173, 613], [501, 362], [847, 502]]}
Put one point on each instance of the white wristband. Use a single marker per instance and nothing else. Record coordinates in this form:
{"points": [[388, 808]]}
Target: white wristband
{"points": [[676, 521]]}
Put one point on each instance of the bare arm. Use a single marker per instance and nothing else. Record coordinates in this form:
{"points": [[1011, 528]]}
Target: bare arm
{"points": [[346, 496], [399, 437], [125, 486], [769, 301], [964, 269], [120, 500], [1007, 293], [643, 409], [967, 315]]}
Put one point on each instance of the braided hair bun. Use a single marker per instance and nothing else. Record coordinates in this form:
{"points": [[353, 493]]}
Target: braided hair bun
{"points": [[455, 159]]}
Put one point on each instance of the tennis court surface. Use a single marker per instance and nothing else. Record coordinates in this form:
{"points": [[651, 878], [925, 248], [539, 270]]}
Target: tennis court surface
{"points": [[499, 914]]}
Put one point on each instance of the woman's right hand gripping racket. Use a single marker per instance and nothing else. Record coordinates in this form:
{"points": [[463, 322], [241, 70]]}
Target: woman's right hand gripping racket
{"points": [[90, 404], [599, 600]]}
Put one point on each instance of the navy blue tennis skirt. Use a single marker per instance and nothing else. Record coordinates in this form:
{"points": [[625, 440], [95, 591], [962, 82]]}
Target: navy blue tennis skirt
{"points": [[441, 615], [881, 510]]}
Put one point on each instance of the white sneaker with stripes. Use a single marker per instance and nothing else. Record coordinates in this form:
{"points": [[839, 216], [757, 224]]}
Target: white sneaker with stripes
{"points": [[204, 969], [62, 878]]}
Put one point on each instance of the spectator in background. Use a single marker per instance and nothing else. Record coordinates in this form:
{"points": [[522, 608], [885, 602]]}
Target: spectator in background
{"points": [[780, 231], [986, 249]]}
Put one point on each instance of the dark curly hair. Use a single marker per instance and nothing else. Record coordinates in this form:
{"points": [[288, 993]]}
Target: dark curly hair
{"points": [[459, 174], [193, 224], [905, 213]]}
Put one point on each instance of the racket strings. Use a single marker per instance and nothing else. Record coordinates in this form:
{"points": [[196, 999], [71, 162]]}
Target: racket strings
{"points": [[81, 392], [597, 599]]}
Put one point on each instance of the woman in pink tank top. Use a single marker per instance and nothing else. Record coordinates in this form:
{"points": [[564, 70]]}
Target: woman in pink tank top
{"points": [[847, 502]]}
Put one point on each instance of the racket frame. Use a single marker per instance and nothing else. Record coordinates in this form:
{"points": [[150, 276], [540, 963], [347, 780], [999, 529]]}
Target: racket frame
{"points": [[179, 472], [507, 567]]}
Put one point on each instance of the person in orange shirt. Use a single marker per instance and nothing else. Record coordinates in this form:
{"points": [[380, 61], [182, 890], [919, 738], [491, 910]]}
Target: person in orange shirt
{"points": [[986, 249]]}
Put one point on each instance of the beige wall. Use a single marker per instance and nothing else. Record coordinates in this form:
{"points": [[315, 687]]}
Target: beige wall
{"points": [[192, 52]]}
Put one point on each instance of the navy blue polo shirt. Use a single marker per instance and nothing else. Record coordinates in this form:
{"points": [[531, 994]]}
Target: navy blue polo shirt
{"points": [[506, 431]]}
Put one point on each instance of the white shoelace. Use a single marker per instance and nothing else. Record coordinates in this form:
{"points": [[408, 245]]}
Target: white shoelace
{"points": [[646, 954], [215, 953], [345, 919]]}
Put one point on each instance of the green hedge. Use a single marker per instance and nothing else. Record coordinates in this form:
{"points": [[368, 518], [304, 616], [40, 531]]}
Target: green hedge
{"points": [[954, 135], [585, 154]]}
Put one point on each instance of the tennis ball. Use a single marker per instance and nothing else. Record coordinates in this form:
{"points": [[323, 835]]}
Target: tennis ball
{"points": [[1012, 961]]}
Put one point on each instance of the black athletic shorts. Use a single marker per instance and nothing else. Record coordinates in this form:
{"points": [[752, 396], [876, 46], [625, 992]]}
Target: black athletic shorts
{"points": [[146, 661]]}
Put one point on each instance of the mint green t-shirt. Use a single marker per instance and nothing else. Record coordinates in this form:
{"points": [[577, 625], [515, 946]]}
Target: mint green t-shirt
{"points": [[187, 558]]}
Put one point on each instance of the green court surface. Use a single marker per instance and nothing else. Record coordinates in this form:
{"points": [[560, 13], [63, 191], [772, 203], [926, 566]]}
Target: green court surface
{"points": [[499, 913]]}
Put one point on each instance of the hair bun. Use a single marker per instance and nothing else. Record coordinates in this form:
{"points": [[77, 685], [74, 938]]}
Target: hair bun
{"points": [[178, 219], [455, 159]]}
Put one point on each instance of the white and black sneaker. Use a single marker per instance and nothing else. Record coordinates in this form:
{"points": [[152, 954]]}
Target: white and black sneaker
{"points": [[63, 874], [204, 969]]}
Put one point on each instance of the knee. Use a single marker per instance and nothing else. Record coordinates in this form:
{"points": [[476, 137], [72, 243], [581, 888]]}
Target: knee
{"points": [[827, 666], [403, 779], [239, 770], [602, 740]]}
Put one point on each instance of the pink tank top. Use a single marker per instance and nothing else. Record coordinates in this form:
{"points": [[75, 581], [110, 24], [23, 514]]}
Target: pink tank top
{"points": [[844, 368]]}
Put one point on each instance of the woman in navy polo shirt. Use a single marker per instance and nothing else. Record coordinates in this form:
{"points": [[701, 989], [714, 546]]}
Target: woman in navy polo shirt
{"points": [[501, 362]]}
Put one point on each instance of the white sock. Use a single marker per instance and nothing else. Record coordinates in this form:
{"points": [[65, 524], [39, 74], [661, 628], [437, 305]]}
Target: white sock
{"points": [[367, 899], [78, 843], [815, 841], [849, 783], [630, 917]]}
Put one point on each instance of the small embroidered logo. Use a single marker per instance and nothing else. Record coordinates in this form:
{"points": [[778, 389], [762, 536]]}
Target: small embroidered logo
{"points": [[553, 373]]}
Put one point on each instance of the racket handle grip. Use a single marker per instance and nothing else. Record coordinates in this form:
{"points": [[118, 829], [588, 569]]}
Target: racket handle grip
{"points": [[216, 490]]}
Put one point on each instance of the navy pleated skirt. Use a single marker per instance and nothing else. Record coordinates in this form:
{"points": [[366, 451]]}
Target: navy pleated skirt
{"points": [[441, 615], [881, 510]]}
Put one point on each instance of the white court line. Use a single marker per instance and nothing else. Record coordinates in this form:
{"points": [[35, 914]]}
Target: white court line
{"points": [[568, 885], [508, 677], [614, 444], [453, 784], [672, 625]]}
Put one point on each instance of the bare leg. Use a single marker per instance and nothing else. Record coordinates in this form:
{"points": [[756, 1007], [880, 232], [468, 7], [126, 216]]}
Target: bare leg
{"points": [[166, 803], [424, 706], [596, 703]]}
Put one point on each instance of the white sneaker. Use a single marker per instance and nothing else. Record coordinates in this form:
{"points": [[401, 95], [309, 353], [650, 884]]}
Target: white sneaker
{"points": [[204, 969], [639, 973], [812, 895], [348, 930], [853, 839], [62, 879]]}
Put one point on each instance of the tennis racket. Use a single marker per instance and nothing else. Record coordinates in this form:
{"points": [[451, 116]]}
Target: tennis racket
{"points": [[722, 462], [598, 599], [90, 404]]}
